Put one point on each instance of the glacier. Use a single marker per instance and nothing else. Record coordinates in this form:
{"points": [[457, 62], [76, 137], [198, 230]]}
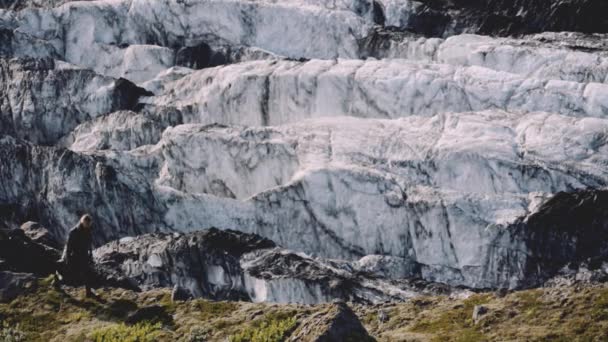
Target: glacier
{"points": [[397, 139]]}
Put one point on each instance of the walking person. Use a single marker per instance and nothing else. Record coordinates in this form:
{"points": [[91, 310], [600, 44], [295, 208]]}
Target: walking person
{"points": [[76, 264]]}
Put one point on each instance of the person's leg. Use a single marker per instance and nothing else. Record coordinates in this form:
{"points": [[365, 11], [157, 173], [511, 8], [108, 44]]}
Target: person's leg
{"points": [[87, 283], [58, 275], [56, 281]]}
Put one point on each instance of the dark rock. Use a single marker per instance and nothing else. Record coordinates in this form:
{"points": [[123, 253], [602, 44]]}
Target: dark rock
{"points": [[383, 316], [337, 323], [378, 13], [570, 228], [289, 264], [502, 17], [501, 292], [185, 260], [380, 40], [152, 314], [15, 284], [478, 312], [180, 294], [222, 264], [21, 254], [104, 276], [6, 40], [121, 308], [199, 57], [127, 94], [234, 242], [430, 22], [40, 234]]}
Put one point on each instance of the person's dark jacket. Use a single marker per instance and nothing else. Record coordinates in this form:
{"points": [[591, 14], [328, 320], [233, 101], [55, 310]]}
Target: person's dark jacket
{"points": [[78, 249]]}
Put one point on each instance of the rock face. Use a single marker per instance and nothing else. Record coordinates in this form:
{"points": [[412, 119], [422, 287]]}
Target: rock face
{"points": [[222, 264], [569, 229], [378, 144], [205, 263]]}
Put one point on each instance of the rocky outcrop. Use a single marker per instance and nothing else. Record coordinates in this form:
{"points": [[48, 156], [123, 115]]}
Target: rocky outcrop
{"points": [[19, 253], [337, 323], [227, 264], [15, 284], [206, 263], [568, 230], [40, 235], [232, 265], [23, 259]]}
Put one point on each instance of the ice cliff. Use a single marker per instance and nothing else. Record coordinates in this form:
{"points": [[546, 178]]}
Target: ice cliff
{"points": [[400, 140]]}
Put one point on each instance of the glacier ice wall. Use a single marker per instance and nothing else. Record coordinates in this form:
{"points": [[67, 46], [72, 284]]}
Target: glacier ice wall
{"points": [[410, 139]]}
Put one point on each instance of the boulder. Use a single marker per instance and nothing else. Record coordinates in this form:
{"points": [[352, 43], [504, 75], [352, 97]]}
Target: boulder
{"points": [[478, 312], [14, 284], [337, 323], [41, 235], [152, 314], [180, 294], [21, 254]]}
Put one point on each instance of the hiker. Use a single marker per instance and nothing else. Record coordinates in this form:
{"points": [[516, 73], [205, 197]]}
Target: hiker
{"points": [[76, 264]]}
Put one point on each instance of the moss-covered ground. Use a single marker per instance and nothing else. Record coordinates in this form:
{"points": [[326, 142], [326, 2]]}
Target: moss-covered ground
{"points": [[556, 314], [548, 314]]}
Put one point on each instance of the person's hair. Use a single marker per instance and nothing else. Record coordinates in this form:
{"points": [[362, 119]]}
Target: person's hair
{"points": [[86, 218]]}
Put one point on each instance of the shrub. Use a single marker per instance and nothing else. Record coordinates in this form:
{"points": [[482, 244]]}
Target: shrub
{"points": [[11, 333], [267, 331], [210, 309], [141, 332], [198, 334]]}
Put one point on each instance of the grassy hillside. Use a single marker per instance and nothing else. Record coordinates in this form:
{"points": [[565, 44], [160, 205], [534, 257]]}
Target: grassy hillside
{"points": [[562, 314]]}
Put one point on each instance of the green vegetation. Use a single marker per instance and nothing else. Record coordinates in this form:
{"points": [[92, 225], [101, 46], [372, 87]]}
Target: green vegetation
{"points": [[267, 331], [141, 332], [556, 314], [198, 334], [577, 313], [11, 333], [455, 324], [209, 309]]}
